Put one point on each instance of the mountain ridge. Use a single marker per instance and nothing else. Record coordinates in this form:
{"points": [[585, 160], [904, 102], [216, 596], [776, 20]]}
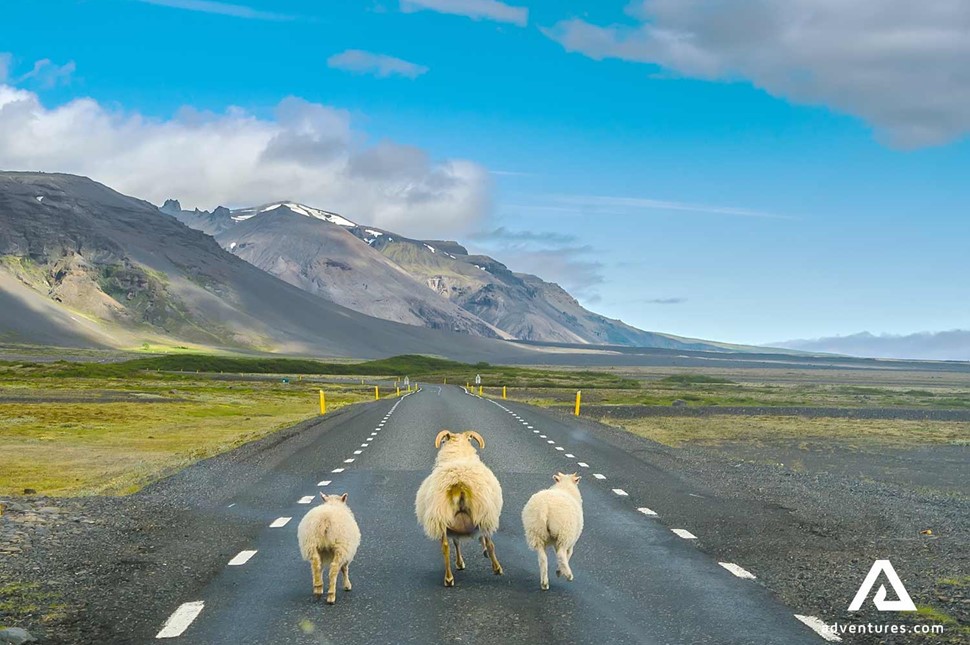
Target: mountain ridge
{"points": [[492, 299]]}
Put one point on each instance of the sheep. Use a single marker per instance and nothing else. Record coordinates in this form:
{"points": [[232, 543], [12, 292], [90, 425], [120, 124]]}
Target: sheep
{"points": [[461, 497], [328, 533], [554, 517]]}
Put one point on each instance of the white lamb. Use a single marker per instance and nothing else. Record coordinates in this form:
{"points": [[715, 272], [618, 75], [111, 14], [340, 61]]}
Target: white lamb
{"points": [[554, 517], [461, 497], [329, 534]]}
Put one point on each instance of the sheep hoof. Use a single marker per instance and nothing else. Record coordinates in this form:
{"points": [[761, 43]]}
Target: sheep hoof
{"points": [[544, 586], [460, 566], [449, 582], [498, 571], [331, 599], [318, 592], [569, 577]]}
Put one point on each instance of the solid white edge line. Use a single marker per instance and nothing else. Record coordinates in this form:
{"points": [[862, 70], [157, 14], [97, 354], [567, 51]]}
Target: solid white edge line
{"points": [[180, 619], [325, 482], [738, 571], [646, 511], [280, 522], [620, 492], [242, 558], [819, 628], [684, 533], [306, 499]]}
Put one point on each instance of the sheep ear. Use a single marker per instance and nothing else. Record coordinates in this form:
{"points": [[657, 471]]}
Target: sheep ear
{"points": [[576, 478], [323, 497], [557, 477], [343, 498]]}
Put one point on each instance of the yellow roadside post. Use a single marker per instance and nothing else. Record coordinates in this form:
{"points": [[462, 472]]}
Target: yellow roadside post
{"points": [[446, 381], [377, 392], [579, 396], [479, 390], [503, 391], [323, 402], [399, 391]]}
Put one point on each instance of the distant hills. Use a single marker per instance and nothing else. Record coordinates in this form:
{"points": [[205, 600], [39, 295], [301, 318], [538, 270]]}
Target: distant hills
{"points": [[433, 283], [942, 345]]}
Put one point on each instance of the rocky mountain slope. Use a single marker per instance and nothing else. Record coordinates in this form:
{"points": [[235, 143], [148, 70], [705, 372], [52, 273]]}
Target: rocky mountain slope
{"points": [[437, 284], [81, 264]]}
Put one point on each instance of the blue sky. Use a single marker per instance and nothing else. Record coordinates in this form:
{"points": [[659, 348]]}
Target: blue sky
{"points": [[757, 187]]}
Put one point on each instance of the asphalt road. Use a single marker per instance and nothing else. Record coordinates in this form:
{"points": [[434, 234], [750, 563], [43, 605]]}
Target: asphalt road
{"points": [[636, 580]]}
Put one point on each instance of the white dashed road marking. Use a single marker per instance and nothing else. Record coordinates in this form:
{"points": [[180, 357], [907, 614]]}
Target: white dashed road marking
{"points": [[559, 448], [359, 452], [738, 571], [684, 533], [550, 441], [570, 455], [583, 464], [599, 476], [325, 482], [337, 470], [280, 522], [306, 499], [241, 558], [819, 627], [348, 461], [364, 445], [180, 619], [646, 511], [542, 436], [620, 492], [529, 427]]}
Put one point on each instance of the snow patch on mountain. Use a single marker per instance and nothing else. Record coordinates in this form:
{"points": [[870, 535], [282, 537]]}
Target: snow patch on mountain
{"points": [[244, 214]]}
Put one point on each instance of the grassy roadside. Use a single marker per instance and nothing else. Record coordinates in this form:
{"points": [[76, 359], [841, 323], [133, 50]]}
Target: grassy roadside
{"points": [[676, 431], [115, 448]]}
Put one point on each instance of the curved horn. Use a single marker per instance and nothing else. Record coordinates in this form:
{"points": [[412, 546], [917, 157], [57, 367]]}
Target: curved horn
{"points": [[438, 439], [477, 437]]}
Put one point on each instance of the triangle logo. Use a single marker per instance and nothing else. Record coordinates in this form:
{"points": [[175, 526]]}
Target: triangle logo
{"points": [[903, 602]]}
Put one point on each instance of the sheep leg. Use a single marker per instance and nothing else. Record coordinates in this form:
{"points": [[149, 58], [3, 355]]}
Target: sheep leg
{"points": [[446, 552], [562, 563], [459, 561], [543, 569], [345, 570], [332, 589], [490, 545], [481, 540], [315, 568]]}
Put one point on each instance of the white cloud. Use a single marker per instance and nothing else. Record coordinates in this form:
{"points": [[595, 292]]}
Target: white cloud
{"points": [[612, 205], [897, 64], [48, 74], [475, 9], [307, 152], [380, 65], [220, 8]]}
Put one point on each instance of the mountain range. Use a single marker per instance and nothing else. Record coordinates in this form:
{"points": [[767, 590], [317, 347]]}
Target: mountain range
{"points": [[433, 283], [83, 265]]}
